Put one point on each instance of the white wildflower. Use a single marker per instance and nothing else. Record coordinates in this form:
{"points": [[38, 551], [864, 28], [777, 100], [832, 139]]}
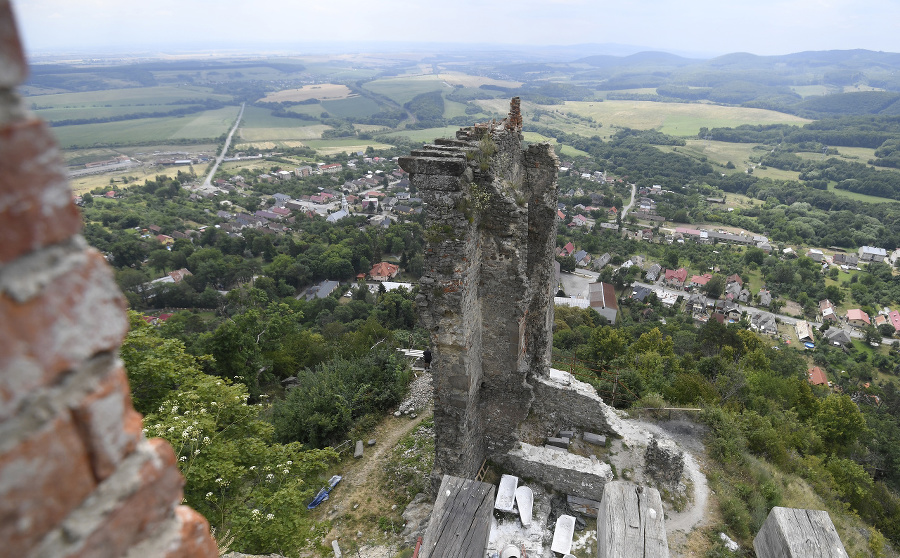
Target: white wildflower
{"points": [[209, 495], [196, 452], [183, 458], [290, 462], [286, 471], [206, 439], [270, 516], [270, 477]]}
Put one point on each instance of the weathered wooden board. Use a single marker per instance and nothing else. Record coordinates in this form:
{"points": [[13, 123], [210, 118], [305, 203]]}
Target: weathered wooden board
{"points": [[796, 533], [630, 522], [461, 520]]}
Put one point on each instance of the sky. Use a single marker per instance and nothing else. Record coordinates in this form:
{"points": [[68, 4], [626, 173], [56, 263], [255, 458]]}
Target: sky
{"points": [[703, 27]]}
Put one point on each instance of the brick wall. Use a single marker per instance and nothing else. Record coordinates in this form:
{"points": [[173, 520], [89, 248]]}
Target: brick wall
{"points": [[77, 476]]}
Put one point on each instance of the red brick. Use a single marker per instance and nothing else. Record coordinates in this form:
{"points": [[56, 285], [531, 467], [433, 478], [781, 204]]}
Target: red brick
{"points": [[143, 511], [194, 539], [75, 316], [109, 424], [36, 207], [13, 68], [42, 479]]}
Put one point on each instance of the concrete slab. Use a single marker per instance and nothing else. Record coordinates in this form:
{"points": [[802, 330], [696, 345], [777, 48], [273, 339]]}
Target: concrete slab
{"points": [[525, 503], [506, 494]]}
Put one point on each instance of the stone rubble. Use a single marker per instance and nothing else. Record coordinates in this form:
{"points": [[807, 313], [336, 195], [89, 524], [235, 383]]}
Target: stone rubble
{"points": [[421, 395]]}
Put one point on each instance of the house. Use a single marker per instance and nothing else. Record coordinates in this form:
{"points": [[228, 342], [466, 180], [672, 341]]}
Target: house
{"points": [[765, 297], [697, 304], [154, 229], [850, 260], [837, 337], [582, 258], [640, 293], [763, 322], [266, 178], [322, 290], [858, 318], [894, 318], [676, 278], [601, 262], [653, 272], [165, 239], [815, 255], [872, 254], [384, 271], [700, 280], [179, 274], [804, 331], [788, 253], [331, 169], [602, 298], [337, 216], [734, 279], [816, 377], [826, 310], [560, 215], [281, 199]]}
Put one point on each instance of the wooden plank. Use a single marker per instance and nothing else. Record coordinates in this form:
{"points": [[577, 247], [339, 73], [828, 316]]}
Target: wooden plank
{"points": [[630, 523], [461, 520], [798, 533]]}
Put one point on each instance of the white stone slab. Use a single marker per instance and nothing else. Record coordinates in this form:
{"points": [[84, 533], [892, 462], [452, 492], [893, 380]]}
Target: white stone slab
{"points": [[506, 493], [525, 503], [562, 535]]}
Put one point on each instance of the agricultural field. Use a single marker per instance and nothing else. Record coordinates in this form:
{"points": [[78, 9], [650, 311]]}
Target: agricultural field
{"points": [[82, 184], [403, 89], [676, 119], [428, 134], [466, 80], [310, 131], [325, 91], [859, 197], [567, 150], [142, 98], [352, 107], [200, 126], [348, 145]]}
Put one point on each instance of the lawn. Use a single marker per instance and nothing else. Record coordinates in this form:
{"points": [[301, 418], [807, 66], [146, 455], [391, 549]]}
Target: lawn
{"points": [[858, 196], [402, 89], [567, 150], [203, 125], [258, 117]]}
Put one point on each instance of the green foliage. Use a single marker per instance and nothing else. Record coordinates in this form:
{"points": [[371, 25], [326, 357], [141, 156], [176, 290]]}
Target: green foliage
{"points": [[237, 475], [331, 397]]}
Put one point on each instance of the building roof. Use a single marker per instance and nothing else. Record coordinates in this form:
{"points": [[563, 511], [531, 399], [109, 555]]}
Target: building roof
{"points": [[857, 314], [384, 269], [735, 279], [602, 295], [894, 317], [701, 279], [676, 274], [817, 377]]}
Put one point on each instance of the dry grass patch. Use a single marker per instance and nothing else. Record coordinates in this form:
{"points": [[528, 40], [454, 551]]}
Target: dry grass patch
{"points": [[323, 91]]}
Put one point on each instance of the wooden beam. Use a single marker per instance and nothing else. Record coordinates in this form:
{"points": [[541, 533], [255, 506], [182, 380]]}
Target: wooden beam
{"points": [[461, 520]]}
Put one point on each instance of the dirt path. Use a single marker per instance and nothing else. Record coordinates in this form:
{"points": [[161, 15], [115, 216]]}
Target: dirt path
{"points": [[358, 503]]}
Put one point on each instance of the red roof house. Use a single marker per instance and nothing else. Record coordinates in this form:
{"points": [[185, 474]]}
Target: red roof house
{"points": [[816, 377], [384, 271], [857, 317]]}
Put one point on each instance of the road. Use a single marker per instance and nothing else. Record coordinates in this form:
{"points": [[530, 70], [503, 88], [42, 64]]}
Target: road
{"points": [[628, 207], [215, 167]]}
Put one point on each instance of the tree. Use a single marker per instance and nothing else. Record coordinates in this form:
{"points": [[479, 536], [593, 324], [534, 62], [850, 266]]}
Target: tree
{"points": [[715, 287], [839, 422]]}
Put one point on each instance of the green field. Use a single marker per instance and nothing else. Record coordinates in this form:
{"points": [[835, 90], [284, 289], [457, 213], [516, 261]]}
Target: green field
{"points": [[352, 107], [203, 125], [144, 98], [349, 145], [257, 117], [402, 89], [428, 134], [568, 150], [859, 197]]}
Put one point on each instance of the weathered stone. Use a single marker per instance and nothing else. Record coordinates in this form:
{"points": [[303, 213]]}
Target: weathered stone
{"points": [[596, 439], [566, 434], [558, 442], [371, 442], [582, 506], [358, 452], [565, 472], [664, 461]]}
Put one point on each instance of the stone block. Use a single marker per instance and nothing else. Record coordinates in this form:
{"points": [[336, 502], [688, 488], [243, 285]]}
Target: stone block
{"points": [[558, 442], [358, 452], [446, 166], [566, 434], [109, 424], [558, 469], [42, 479], [36, 206], [664, 461], [13, 68], [60, 306], [596, 439], [371, 442], [555, 448]]}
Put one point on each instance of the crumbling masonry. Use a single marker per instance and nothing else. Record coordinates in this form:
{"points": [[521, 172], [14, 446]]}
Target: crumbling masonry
{"points": [[77, 476]]}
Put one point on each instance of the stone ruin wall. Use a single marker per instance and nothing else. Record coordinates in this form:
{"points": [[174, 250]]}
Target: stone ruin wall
{"points": [[77, 476], [490, 226]]}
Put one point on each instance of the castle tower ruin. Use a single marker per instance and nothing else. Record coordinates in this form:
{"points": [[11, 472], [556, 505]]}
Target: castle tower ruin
{"points": [[486, 294]]}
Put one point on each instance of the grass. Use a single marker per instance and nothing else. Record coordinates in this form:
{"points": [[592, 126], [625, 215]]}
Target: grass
{"points": [[203, 125], [402, 89], [302, 133], [428, 134], [257, 117], [349, 145], [859, 197], [82, 184], [321, 91], [466, 80]]}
